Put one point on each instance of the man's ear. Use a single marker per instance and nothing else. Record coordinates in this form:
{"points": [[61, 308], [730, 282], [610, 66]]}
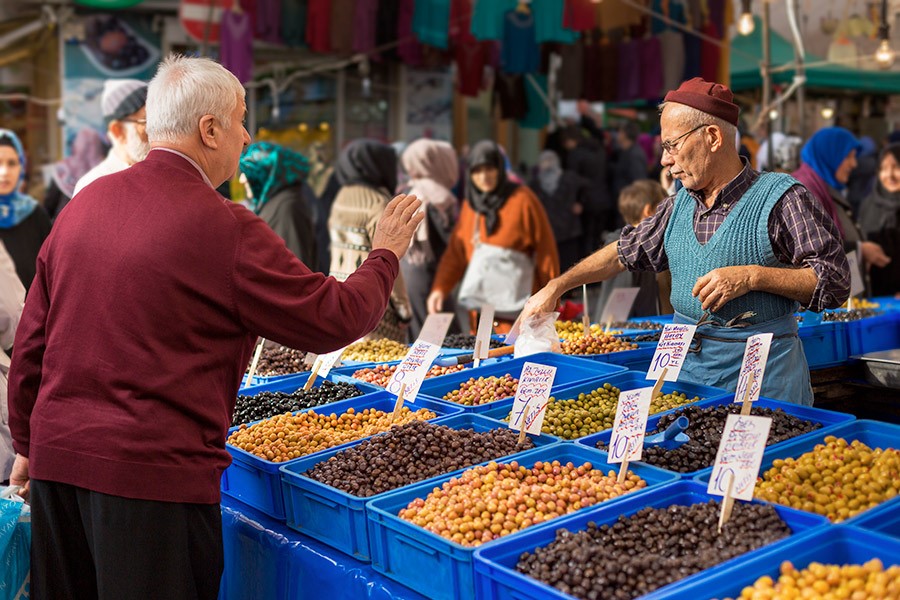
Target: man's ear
{"points": [[717, 137], [209, 131], [116, 131]]}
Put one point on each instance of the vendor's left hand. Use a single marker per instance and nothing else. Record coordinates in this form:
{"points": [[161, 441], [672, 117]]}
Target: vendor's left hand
{"points": [[720, 286]]}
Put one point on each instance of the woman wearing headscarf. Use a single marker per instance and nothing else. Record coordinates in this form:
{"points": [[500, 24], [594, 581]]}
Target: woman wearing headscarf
{"points": [[433, 170], [24, 223], [367, 173], [88, 151], [879, 219], [280, 196], [827, 159], [503, 215], [562, 194]]}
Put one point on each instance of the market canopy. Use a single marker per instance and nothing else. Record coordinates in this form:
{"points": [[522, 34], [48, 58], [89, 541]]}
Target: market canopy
{"points": [[746, 55]]}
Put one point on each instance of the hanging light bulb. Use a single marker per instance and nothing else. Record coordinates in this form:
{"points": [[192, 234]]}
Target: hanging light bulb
{"points": [[827, 112], [773, 114], [746, 25], [885, 55]]}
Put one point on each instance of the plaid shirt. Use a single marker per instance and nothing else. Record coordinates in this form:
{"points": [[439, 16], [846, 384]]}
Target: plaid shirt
{"points": [[801, 233]]}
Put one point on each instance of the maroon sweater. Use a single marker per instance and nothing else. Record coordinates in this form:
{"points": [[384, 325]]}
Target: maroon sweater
{"points": [[150, 292]]}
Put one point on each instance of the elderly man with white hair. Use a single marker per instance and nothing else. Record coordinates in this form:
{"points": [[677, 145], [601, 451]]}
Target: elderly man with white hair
{"points": [[122, 103], [147, 302], [745, 249]]}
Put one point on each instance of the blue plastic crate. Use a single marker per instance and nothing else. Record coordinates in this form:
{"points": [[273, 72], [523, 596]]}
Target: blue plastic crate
{"points": [[346, 373], [628, 380], [824, 345], [887, 302], [881, 332], [495, 566], [292, 383], [631, 360], [884, 519], [873, 434], [569, 370], [441, 569], [828, 418], [257, 482], [337, 518], [831, 545]]}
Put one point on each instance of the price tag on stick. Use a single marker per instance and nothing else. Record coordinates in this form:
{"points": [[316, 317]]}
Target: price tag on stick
{"points": [[671, 351], [411, 371], [739, 456], [483, 335], [255, 362], [312, 376], [618, 305], [627, 441], [434, 329], [753, 368], [585, 314], [322, 365], [857, 286], [532, 394], [399, 403]]}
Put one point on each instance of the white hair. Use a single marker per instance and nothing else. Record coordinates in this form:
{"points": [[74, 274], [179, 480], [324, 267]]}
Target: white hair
{"points": [[185, 89], [691, 117]]}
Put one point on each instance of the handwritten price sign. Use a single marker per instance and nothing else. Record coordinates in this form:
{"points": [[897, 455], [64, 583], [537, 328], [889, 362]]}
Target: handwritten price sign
{"points": [[627, 440], [671, 351], [756, 355], [412, 369], [326, 362], [619, 304], [530, 404], [857, 286], [739, 456]]}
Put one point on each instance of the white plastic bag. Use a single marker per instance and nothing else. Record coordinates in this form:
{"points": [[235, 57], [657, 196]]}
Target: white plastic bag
{"points": [[538, 334]]}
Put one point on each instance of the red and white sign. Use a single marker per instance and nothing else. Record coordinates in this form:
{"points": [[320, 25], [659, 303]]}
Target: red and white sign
{"points": [[198, 15]]}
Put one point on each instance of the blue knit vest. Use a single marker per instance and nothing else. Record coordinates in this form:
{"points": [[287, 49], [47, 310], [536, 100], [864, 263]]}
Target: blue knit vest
{"points": [[742, 239]]}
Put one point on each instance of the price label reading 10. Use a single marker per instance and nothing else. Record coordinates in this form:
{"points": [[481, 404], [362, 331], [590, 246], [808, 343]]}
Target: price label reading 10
{"points": [[671, 351]]}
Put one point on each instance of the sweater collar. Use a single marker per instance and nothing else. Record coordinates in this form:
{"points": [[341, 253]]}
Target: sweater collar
{"points": [[190, 160], [731, 192]]}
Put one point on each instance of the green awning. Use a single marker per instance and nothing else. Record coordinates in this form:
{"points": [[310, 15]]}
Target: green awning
{"points": [[745, 70]]}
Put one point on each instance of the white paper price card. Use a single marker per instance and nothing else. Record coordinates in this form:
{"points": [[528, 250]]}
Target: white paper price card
{"points": [[671, 351], [857, 286], [618, 305], [327, 361], [756, 354], [412, 370], [630, 425], [485, 327], [739, 456], [434, 330], [532, 395]]}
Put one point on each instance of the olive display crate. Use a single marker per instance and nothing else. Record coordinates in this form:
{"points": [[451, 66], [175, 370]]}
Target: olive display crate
{"points": [[883, 519], [825, 344], [346, 373], [257, 482], [495, 567], [631, 360], [569, 370], [841, 545], [629, 380], [441, 569], [368, 363], [872, 334], [292, 383], [338, 518], [828, 418], [873, 434]]}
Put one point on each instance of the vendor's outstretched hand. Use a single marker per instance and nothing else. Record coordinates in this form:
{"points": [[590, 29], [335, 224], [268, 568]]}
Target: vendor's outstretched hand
{"points": [[544, 301], [720, 286], [398, 223]]}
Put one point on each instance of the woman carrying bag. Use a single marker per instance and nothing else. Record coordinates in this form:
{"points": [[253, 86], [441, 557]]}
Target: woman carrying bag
{"points": [[502, 248]]}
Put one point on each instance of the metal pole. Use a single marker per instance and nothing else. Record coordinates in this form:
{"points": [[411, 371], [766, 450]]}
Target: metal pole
{"points": [[767, 81], [801, 91]]}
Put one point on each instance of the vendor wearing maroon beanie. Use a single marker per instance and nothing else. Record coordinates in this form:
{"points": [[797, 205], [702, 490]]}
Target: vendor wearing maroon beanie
{"points": [[148, 298], [745, 249]]}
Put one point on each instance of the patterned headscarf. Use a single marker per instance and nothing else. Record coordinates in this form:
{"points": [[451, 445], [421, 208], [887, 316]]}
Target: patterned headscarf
{"points": [[270, 168], [15, 206]]}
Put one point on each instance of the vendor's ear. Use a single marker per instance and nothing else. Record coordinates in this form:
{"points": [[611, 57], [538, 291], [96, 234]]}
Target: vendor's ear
{"points": [[715, 135], [209, 131]]}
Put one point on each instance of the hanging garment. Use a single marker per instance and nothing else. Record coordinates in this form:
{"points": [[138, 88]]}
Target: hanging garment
{"points": [[318, 25], [386, 26], [520, 52], [710, 54], [470, 61], [579, 15], [672, 43], [538, 115], [487, 18], [364, 26], [693, 48], [430, 22], [293, 22], [409, 50], [509, 92], [629, 71], [268, 21], [651, 60], [548, 19], [342, 14], [236, 44], [571, 74]]}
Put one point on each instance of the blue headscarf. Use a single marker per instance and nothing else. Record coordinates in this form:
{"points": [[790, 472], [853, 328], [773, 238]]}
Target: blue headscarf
{"points": [[15, 206], [826, 150]]}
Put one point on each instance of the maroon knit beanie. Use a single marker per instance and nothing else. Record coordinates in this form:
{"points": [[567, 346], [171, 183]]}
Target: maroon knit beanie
{"points": [[712, 98]]}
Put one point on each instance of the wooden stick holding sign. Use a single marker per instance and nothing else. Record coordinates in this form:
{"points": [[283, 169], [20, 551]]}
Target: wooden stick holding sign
{"points": [[522, 429], [618, 306], [737, 460], [313, 375], [746, 405], [857, 285], [585, 315], [399, 403], [483, 334], [255, 362]]}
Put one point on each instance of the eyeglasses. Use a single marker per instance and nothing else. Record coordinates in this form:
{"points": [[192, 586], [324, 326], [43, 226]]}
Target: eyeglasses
{"points": [[135, 121], [672, 146]]}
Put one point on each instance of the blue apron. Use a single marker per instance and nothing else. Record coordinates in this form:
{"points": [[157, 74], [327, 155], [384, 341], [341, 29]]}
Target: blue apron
{"points": [[716, 353]]}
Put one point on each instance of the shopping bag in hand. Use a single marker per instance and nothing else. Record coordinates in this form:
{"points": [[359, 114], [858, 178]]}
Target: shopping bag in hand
{"points": [[15, 546]]}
